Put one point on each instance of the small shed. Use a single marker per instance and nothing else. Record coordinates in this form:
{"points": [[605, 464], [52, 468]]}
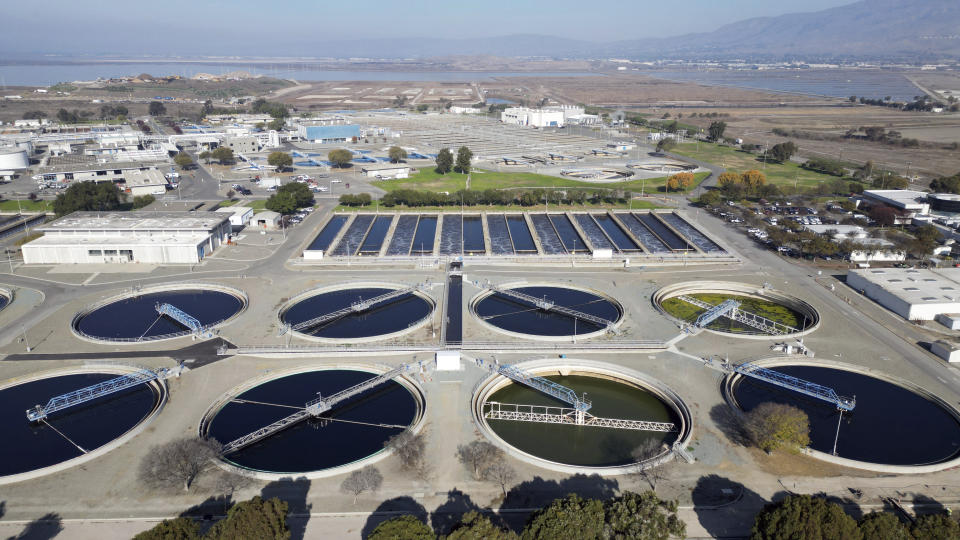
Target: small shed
{"points": [[267, 220]]}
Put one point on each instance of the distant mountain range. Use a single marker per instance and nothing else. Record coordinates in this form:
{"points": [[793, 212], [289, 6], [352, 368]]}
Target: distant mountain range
{"points": [[866, 29], [924, 30]]}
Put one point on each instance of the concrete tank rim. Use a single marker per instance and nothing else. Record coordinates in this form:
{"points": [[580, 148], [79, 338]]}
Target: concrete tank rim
{"points": [[480, 296], [728, 382], [738, 288], [310, 293], [159, 386], [407, 381], [494, 381], [227, 289]]}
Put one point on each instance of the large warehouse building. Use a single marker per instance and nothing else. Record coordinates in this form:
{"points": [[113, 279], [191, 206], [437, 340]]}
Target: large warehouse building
{"points": [[129, 237], [523, 116], [914, 294]]}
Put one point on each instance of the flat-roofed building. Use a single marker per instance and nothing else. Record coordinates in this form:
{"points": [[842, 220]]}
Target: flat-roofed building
{"points": [[914, 294], [330, 133], [128, 237], [386, 171], [912, 202]]}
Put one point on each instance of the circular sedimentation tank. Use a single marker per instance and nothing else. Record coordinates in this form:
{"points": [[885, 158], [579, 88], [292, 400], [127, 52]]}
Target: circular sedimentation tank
{"points": [[390, 318], [521, 318], [773, 305], [615, 392], [662, 166], [927, 430], [597, 174], [73, 435], [132, 317], [353, 432]]}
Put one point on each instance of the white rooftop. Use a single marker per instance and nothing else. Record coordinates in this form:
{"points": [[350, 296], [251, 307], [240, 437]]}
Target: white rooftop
{"points": [[136, 221], [903, 198], [916, 286]]}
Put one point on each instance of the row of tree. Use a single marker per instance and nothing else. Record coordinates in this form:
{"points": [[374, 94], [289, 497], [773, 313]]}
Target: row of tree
{"points": [[630, 515], [258, 518], [815, 518], [522, 197]]}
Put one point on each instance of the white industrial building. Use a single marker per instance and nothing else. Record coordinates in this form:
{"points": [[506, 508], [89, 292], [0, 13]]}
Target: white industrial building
{"points": [[914, 294], [912, 202], [523, 116], [14, 158], [386, 171], [239, 215], [148, 182], [128, 237], [268, 220]]}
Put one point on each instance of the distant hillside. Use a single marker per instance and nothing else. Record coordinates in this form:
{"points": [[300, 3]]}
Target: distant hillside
{"points": [[869, 28]]}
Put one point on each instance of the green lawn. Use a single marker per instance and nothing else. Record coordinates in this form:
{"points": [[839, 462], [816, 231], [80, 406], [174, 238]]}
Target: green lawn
{"points": [[636, 205], [258, 205], [781, 174], [480, 179], [26, 205]]}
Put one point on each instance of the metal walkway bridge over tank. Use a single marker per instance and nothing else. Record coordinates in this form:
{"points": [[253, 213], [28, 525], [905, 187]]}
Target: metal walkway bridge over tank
{"points": [[561, 415], [731, 309], [356, 307], [557, 415], [796, 384], [90, 393], [181, 317], [313, 409], [549, 305]]}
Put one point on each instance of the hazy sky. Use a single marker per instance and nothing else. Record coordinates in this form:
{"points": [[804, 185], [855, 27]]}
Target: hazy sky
{"points": [[246, 26]]}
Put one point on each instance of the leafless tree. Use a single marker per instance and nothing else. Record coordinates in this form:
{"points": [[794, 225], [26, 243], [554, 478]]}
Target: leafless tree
{"points": [[500, 472], [410, 448], [648, 449], [178, 462], [366, 479], [478, 455]]}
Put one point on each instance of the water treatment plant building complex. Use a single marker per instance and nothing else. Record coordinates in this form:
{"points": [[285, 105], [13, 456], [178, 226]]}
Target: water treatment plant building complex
{"points": [[122, 237]]}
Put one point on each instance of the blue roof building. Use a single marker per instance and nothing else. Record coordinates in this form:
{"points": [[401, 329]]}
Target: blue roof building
{"points": [[330, 134]]}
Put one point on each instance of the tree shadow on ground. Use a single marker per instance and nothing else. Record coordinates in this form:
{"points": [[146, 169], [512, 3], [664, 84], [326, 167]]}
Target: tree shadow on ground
{"points": [[294, 491], [42, 528], [924, 504], [207, 513], [725, 507], [392, 508], [448, 515], [539, 492], [729, 423]]}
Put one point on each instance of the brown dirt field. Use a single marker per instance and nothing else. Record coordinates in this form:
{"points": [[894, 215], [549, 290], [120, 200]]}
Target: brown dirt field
{"points": [[788, 464], [931, 161]]}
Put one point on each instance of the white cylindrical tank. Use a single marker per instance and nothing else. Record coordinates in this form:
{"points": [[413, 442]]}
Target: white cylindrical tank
{"points": [[13, 159]]}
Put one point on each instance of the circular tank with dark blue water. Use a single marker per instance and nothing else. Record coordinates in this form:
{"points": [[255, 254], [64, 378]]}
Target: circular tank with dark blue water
{"points": [[351, 431], [890, 424], [30, 446], [382, 318], [521, 316], [135, 317]]}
